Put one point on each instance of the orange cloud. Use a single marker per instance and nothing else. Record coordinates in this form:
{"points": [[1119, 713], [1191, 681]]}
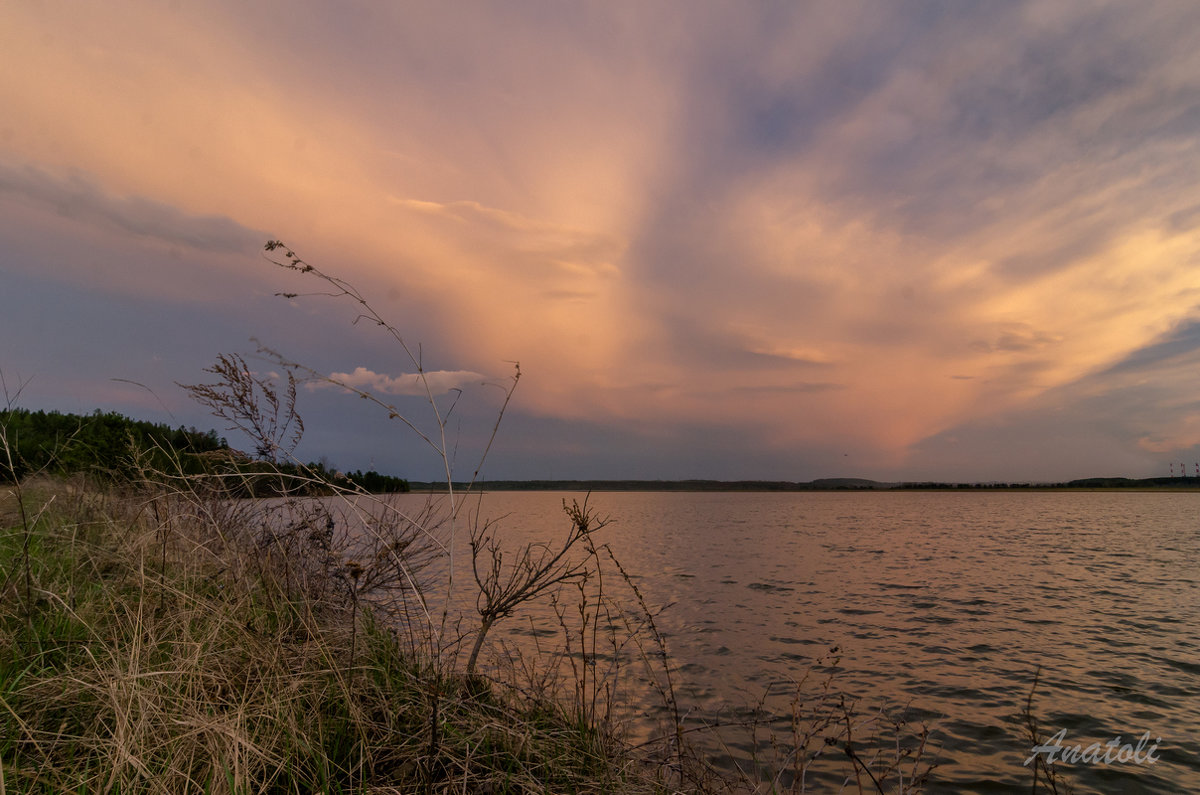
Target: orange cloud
{"points": [[661, 232]]}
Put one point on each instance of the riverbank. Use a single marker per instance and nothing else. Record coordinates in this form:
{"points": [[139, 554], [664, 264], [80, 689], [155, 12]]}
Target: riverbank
{"points": [[147, 647], [161, 636]]}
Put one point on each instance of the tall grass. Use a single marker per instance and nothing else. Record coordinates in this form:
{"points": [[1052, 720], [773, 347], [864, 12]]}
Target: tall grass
{"points": [[191, 663]]}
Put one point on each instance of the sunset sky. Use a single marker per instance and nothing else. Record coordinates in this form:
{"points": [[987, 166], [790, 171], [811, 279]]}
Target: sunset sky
{"points": [[901, 241]]}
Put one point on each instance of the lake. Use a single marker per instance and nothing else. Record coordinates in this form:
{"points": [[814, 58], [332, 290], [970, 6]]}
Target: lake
{"points": [[946, 603]]}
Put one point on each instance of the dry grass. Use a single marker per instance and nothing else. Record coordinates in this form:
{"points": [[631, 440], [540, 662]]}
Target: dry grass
{"points": [[185, 664]]}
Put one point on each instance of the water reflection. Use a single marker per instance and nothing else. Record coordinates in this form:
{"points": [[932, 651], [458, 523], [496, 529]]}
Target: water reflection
{"points": [[946, 601]]}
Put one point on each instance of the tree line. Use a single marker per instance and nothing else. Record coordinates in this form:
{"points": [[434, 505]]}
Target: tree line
{"points": [[111, 445]]}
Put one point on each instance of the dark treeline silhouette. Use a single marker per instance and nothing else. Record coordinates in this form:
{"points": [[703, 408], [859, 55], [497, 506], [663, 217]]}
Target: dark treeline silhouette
{"points": [[55, 443], [376, 483], [111, 445]]}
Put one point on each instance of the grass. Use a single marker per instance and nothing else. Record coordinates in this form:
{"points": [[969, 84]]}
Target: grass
{"points": [[149, 664]]}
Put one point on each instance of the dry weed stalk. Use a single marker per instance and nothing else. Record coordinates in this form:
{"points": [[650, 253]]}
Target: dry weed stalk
{"points": [[438, 440], [253, 405], [503, 583], [1042, 770], [536, 568]]}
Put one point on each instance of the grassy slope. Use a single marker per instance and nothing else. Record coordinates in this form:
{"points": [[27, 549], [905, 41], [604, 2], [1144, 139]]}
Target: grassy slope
{"points": [[151, 656]]}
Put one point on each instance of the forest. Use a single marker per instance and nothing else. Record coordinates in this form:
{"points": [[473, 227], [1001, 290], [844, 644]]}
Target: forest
{"points": [[109, 445]]}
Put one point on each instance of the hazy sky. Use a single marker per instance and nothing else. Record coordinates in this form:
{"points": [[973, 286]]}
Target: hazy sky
{"points": [[743, 240]]}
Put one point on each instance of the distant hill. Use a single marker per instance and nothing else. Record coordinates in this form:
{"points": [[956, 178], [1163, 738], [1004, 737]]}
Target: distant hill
{"points": [[821, 484], [848, 483], [1135, 483]]}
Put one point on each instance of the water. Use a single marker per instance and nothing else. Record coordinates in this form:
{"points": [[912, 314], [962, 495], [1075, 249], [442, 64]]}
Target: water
{"points": [[946, 602]]}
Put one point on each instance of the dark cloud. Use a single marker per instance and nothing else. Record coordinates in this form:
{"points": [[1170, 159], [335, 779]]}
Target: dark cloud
{"points": [[1048, 74], [1015, 340], [1129, 419], [79, 198], [1181, 343], [1015, 107], [1186, 219]]}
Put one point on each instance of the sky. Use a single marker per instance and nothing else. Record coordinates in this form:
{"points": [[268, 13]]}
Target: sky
{"points": [[765, 240]]}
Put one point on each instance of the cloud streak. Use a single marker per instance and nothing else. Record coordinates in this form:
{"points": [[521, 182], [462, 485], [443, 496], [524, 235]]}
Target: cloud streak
{"points": [[79, 199]]}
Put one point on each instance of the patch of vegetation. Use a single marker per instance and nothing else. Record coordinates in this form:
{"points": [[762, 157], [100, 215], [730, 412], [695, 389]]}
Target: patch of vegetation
{"points": [[99, 444], [50, 442], [178, 655]]}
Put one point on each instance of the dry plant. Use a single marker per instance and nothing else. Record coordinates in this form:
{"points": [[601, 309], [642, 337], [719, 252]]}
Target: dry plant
{"points": [[607, 658], [438, 440], [1043, 771], [600, 631], [253, 405], [535, 568], [212, 673], [394, 571]]}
